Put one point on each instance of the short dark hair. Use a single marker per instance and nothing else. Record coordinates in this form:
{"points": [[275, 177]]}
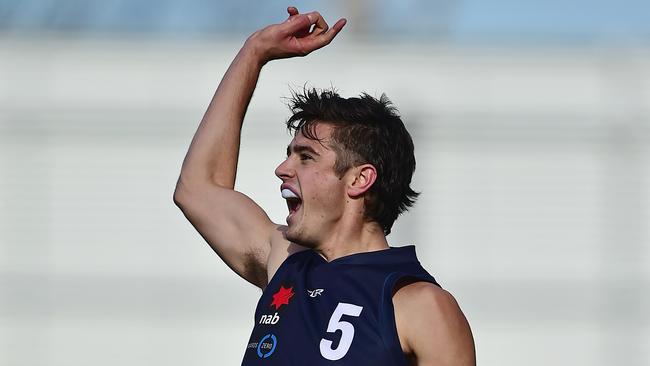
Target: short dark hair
{"points": [[366, 131]]}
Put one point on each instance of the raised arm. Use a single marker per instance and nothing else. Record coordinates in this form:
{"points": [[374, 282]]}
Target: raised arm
{"points": [[234, 226]]}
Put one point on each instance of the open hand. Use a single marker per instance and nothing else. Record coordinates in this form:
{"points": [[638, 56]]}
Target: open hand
{"points": [[299, 35]]}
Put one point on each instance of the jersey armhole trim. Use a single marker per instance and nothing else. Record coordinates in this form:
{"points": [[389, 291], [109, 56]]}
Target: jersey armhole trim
{"points": [[387, 325]]}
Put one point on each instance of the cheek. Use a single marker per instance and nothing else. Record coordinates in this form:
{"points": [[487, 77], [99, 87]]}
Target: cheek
{"points": [[329, 191], [323, 190]]}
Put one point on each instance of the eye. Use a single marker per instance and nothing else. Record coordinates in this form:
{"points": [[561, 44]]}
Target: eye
{"points": [[306, 157]]}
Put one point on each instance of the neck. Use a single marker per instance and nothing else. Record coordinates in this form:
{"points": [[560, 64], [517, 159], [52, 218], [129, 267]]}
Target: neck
{"points": [[351, 239]]}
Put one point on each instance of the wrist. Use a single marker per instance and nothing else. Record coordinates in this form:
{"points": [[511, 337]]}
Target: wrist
{"points": [[252, 50]]}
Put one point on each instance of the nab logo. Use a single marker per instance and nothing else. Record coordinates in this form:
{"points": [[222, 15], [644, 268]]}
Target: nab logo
{"points": [[316, 292], [269, 319]]}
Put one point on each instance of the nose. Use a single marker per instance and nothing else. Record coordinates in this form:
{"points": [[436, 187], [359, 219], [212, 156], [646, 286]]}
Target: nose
{"points": [[284, 171]]}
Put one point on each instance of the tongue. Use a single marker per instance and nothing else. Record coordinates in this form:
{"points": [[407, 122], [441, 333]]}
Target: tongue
{"points": [[293, 206]]}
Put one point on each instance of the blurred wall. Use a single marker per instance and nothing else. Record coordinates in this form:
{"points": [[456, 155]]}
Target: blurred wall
{"points": [[533, 163]]}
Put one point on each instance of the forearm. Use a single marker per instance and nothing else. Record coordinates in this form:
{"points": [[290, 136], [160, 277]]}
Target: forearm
{"points": [[242, 233], [213, 154]]}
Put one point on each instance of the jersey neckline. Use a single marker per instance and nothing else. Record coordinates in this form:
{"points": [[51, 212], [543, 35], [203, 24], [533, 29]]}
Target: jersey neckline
{"points": [[405, 254]]}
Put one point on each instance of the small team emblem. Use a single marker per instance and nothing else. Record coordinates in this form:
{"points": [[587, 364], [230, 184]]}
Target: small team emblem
{"points": [[316, 292], [282, 297]]}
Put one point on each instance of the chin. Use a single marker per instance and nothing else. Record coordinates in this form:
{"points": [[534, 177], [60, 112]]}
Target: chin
{"points": [[294, 235]]}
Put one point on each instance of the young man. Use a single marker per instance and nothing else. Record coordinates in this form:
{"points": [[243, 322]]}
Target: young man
{"points": [[334, 291]]}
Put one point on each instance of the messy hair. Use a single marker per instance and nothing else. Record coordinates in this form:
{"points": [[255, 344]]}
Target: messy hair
{"points": [[365, 130]]}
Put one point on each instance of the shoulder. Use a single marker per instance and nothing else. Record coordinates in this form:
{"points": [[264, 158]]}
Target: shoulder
{"points": [[431, 326], [425, 302], [421, 293]]}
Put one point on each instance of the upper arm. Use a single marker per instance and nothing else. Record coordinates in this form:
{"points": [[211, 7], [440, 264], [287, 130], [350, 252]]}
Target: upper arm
{"points": [[236, 228], [431, 326]]}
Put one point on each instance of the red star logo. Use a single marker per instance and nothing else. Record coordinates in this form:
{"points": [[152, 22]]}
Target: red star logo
{"points": [[282, 297]]}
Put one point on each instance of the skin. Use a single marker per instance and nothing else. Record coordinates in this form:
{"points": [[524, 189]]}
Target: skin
{"points": [[331, 214], [330, 219]]}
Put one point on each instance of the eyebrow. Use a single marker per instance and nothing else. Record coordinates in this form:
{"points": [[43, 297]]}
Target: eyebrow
{"points": [[301, 148]]}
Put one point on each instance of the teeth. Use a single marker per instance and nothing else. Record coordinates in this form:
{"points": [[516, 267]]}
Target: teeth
{"points": [[287, 193]]}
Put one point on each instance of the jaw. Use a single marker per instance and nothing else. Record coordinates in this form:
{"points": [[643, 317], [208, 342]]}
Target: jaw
{"points": [[296, 234], [299, 231], [313, 231]]}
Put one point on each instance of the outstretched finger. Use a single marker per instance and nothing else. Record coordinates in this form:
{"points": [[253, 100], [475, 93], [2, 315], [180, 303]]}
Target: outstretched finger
{"points": [[330, 34]]}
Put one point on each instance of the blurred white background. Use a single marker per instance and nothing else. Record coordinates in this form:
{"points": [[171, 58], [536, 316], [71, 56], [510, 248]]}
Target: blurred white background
{"points": [[531, 125]]}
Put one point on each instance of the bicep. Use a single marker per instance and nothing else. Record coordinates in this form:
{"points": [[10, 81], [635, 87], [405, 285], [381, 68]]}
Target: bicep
{"points": [[234, 226]]}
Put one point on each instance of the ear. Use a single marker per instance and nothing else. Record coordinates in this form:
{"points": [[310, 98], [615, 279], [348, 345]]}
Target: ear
{"points": [[364, 176]]}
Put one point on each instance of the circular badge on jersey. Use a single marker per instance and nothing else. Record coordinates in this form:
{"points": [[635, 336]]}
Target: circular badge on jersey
{"points": [[266, 346]]}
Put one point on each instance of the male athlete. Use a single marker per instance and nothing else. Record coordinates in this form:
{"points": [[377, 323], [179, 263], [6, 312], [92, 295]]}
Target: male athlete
{"points": [[334, 292]]}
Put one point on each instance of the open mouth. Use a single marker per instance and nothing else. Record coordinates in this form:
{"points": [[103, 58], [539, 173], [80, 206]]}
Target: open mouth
{"points": [[293, 204], [293, 201]]}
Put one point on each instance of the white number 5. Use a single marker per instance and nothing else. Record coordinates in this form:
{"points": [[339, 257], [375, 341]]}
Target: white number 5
{"points": [[346, 329]]}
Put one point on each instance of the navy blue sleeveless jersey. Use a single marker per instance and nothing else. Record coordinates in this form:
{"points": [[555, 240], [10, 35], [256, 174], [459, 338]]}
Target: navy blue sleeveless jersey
{"points": [[315, 312]]}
